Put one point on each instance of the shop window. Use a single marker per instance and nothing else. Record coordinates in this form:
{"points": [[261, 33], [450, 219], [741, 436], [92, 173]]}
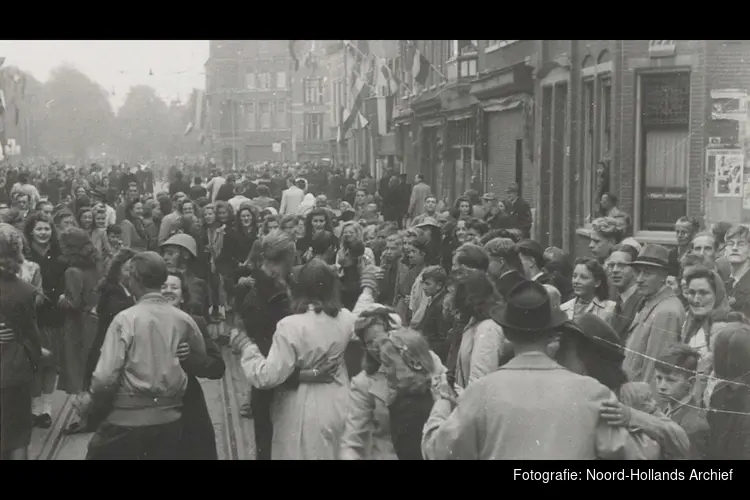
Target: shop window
{"points": [[664, 143]]}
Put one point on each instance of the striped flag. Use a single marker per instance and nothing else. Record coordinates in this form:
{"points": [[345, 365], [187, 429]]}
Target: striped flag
{"points": [[420, 68], [198, 112]]}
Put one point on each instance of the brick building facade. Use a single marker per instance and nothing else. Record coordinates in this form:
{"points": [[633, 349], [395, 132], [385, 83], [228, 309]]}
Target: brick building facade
{"points": [[256, 100], [566, 119]]}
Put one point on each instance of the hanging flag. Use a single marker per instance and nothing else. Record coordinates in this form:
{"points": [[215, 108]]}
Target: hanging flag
{"points": [[420, 68], [2, 60], [2, 103], [359, 91], [189, 128], [387, 79], [293, 54], [385, 113]]}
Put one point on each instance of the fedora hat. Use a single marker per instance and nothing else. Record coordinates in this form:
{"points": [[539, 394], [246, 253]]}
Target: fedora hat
{"points": [[653, 256], [528, 308]]}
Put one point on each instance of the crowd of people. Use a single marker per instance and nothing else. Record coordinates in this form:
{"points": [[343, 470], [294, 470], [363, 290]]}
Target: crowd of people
{"points": [[372, 320]]}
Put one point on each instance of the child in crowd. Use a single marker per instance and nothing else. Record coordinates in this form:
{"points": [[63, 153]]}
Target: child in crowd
{"points": [[675, 376], [433, 326]]}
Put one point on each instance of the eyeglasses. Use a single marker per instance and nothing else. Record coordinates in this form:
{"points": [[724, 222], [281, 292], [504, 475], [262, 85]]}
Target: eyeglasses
{"points": [[618, 265], [737, 244]]}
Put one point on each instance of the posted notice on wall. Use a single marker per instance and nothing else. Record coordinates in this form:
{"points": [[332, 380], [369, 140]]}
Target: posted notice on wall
{"points": [[729, 104], [727, 167]]}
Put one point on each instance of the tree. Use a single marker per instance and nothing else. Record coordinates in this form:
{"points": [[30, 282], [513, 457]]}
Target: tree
{"points": [[75, 115], [142, 125]]}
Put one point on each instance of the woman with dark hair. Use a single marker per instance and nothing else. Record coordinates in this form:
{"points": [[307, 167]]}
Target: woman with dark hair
{"points": [[198, 440], [729, 414], [478, 345], [134, 233], [85, 219], [246, 228], [591, 291], [589, 346], [317, 221], [77, 302], [113, 298], [309, 420], [43, 249], [20, 348]]}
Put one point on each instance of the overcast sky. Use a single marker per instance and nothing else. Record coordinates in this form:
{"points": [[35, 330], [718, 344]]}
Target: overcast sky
{"points": [[177, 65]]}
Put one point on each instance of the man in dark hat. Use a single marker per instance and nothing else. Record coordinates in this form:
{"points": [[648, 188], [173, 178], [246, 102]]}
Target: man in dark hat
{"points": [[139, 372], [658, 324], [531, 408]]}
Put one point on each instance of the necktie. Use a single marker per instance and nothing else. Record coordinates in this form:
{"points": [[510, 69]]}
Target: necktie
{"points": [[618, 307]]}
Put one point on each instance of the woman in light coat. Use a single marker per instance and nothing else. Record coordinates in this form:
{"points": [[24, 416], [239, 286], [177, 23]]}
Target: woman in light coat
{"points": [[308, 420]]}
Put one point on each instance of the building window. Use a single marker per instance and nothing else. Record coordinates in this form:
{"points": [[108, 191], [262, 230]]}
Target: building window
{"points": [[265, 115], [459, 47], [313, 88], [589, 152], [281, 122], [250, 80], [281, 80], [664, 143], [313, 126], [264, 81], [605, 105], [250, 119]]}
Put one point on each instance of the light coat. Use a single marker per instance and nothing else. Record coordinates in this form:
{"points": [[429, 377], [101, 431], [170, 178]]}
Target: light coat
{"points": [[655, 328], [530, 409]]}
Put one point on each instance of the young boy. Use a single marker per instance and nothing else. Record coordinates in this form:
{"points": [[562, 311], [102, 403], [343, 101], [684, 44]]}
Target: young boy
{"points": [[675, 377], [432, 325]]}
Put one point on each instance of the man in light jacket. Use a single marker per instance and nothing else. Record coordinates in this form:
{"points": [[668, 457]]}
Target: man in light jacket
{"points": [[139, 373], [532, 408], [658, 324], [291, 198]]}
